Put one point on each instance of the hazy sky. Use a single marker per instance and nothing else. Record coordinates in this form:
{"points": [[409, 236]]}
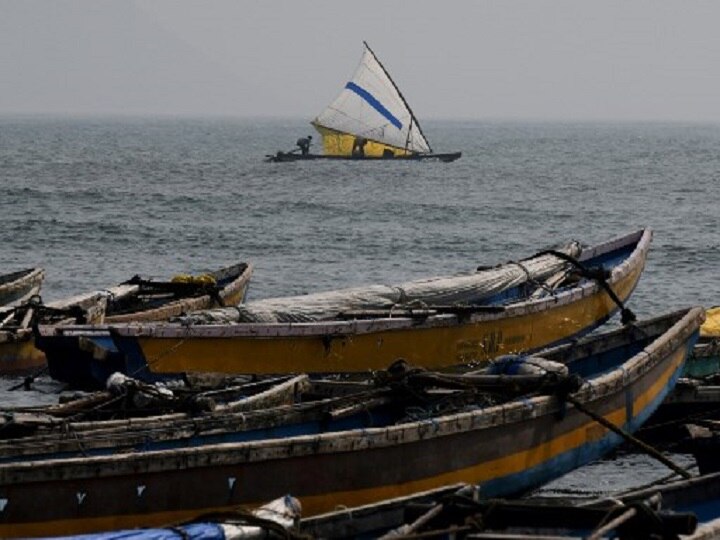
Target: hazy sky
{"points": [[524, 59]]}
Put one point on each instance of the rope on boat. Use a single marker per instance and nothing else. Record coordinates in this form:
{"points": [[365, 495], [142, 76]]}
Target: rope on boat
{"points": [[151, 361], [598, 275], [27, 381], [530, 279], [628, 437]]}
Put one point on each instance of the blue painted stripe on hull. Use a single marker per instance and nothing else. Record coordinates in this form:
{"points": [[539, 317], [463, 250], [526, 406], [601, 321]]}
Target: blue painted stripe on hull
{"points": [[374, 103], [556, 467]]}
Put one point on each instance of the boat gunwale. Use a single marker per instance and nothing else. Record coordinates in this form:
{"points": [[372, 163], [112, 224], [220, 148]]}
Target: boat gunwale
{"points": [[29, 278], [519, 410], [636, 259]]}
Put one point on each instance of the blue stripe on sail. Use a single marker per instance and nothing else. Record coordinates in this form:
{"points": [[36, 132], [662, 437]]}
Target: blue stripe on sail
{"points": [[374, 103]]}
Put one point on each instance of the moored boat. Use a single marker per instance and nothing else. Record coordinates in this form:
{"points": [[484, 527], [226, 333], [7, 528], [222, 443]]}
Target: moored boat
{"points": [[18, 354], [72, 359], [433, 323], [705, 360], [506, 449], [16, 287], [133, 416], [688, 508], [696, 397], [369, 120], [283, 157]]}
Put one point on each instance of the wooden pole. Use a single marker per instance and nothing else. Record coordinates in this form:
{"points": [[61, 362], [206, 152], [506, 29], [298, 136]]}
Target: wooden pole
{"points": [[629, 438]]}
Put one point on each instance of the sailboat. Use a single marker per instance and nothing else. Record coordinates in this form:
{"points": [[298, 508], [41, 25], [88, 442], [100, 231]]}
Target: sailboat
{"points": [[369, 119]]}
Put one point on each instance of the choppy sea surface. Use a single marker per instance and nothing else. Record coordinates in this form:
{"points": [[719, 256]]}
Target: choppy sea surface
{"points": [[95, 201]]}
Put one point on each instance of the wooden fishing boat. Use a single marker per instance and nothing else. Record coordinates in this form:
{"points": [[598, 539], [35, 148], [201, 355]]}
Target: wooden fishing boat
{"points": [[683, 507], [142, 418], [134, 416], [282, 157], [447, 328], [697, 395], [693, 400], [369, 120], [155, 301], [505, 449], [16, 287], [18, 354], [135, 300], [705, 360]]}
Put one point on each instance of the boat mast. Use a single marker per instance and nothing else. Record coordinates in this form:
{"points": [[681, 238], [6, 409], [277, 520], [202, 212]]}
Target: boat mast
{"points": [[407, 139], [412, 114]]}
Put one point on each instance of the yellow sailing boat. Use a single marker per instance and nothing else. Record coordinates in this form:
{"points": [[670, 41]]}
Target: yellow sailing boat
{"points": [[369, 119]]}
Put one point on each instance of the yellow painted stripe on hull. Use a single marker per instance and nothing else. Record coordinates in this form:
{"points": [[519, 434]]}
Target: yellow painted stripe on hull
{"points": [[314, 505], [428, 347], [20, 356]]}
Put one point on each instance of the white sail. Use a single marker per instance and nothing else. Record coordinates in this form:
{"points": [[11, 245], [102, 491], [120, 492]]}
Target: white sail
{"points": [[371, 106]]}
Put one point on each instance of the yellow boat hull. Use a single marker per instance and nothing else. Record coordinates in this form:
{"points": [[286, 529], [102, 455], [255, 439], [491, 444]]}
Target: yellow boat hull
{"points": [[336, 143], [428, 347], [19, 356], [506, 449], [356, 346]]}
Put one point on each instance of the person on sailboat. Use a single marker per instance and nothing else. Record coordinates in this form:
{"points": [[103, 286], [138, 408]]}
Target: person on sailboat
{"points": [[304, 144], [358, 148]]}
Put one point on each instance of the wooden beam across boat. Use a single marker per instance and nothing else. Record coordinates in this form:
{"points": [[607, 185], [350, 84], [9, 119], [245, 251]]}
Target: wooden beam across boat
{"points": [[505, 448], [507, 322]]}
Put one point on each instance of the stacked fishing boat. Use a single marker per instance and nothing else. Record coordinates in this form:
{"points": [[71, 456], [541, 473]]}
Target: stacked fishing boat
{"points": [[435, 322], [134, 300], [689, 509], [407, 431], [466, 404], [696, 397]]}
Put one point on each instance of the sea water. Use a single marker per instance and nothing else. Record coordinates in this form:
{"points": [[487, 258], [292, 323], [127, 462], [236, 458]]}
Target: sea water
{"points": [[95, 201]]}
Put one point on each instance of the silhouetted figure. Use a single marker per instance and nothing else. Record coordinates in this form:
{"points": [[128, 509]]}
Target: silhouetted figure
{"points": [[358, 148], [304, 144]]}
